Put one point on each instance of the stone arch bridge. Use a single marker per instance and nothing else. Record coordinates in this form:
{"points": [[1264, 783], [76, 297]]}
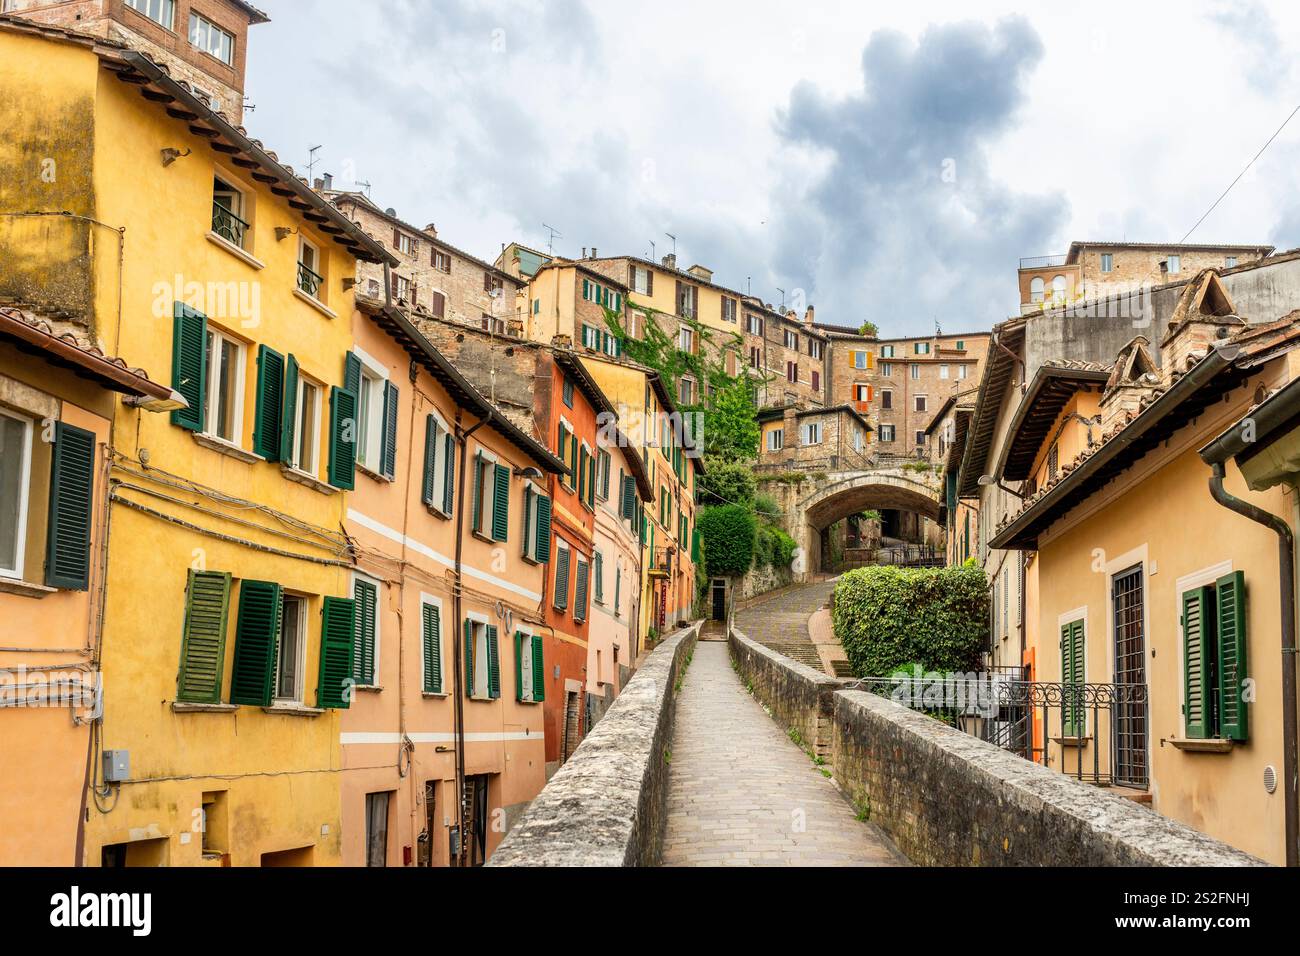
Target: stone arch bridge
{"points": [[815, 503]]}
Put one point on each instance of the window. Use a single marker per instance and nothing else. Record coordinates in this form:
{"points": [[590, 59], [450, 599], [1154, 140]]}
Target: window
{"points": [[1175, 264], [921, 348], [887, 351], [492, 285], [566, 392], [815, 349], [728, 309], [306, 439], [1230, 262], [642, 280], [229, 216], [377, 829], [431, 643], [1058, 289], [943, 371], [1107, 262], [961, 346], [560, 597], [862, 394], [1036, 289], [482, 661], [886, 398], [1214, 660], [776, 439], [755, 357], [401, 287], [15, 470], [211, 39], [753, 324], [370, 419], [859, 439], [920, 439], [887, 369], [581, 590], [491, 504], [537, 525], [686, 392], [162, 12], [441, 261], [289, 655], [366, 650], [862, 359], [309, 277], [914, 371], [598, 577], [439, 478], [1052, 462], [791, 340], [963, 371], [792, 371], [920, 403], [686, 295], [887, 433], [530, 668], [686, 339], [603, 464], [812, 433], [225, 398]]}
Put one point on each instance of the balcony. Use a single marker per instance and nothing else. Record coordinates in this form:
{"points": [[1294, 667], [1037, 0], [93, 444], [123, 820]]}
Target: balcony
{"points": [[227, 225], [1042, 262], [309, 281], [1096, 733]]}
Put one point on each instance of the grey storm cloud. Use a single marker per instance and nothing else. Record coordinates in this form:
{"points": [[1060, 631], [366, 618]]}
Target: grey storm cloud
{"points": [[905, 222]]}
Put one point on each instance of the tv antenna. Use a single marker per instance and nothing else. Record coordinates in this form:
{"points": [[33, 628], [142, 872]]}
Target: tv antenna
{"points": [[653, 253], [550, 243], [312, 161], [782, 291], [674, 239], [365, 186]]}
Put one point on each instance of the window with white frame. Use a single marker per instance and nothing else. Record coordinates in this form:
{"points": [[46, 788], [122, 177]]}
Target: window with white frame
{"points": [[686, 392], [1107, 262], [306, 435], [481, 657], [370, 419], [753, 324], [859, 439], [1175, 264], [15, 471], [436, 456], [921, 402], [815, 349], [640, 280], [161, 12], [944, 371], [915, 371], [887, 433], [963, 371], [441, 261], [886, 369], [812, 433], [887, 351], [728, 309], [776, 439], [791, 339], [686, 339], [229, 212], [1230, 262], [211, 39], [401, 287], [922, 348], [405, 244], [290, 650], [431, 641], [225, 400]]}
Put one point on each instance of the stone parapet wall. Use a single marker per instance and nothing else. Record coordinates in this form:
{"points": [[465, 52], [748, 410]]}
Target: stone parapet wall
{"points": [[798, 697], [607, 805]]}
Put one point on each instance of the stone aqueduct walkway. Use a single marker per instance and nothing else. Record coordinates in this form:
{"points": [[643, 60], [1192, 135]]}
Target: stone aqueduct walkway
{"points": [[741, 793]]}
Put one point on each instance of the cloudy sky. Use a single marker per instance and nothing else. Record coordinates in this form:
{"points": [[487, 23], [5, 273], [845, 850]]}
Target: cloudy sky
{"points": [[889, 164]]}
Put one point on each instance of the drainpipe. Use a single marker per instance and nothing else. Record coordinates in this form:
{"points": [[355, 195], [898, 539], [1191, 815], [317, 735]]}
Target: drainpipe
{"points": [[1286, 563]]}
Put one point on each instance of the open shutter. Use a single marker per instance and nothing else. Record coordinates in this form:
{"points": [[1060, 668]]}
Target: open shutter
{"points": [[72, 502], [628, 492], [343, 448], [493, 663], [469, 658], [598, 572], [649, 282], [352, 374], [501, 503], [539, 670], [432, 639], [257, 631], [580, 591], [203, 641], [449, 484], [1196, 664], [1230, 591], [477, 523], [430, 459], [189, 364], [388, 463], [337, 636], [519, 666], [366, 596], [288, 421], [269, 409], [543, 546], [562, 580]]}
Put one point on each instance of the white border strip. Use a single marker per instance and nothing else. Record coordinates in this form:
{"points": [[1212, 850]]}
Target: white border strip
{"points": [[361, 737]]}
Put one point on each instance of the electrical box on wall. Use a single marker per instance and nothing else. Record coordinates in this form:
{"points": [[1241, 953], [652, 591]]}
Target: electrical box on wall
{"points": [[117, 766]]}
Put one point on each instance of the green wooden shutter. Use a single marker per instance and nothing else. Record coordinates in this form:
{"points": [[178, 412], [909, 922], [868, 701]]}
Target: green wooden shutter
{"points": [[562, 580], [352, 374], [469, 658], [343, 437], [501, 504], [618, 587], [695, 545], [203, 640], [189, 364], [598, 566], [1196, 664], [583, 481], [430, 459], [543, 529], [288, 422], [72, 505], [337, 636], [628, 491], [268, 417], [580, 591], [539, 670], [388, 454], [477, 511], [449, 483], [519, 666], [432, 639], [1072, 674], [257, 631], [1230, 592], [591, 482], [493, 663], [366, 596]]}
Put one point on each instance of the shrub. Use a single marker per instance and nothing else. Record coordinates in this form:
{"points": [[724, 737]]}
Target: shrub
{"points": [[767, 508], [888, 618], [726, 483], [727, 534]]}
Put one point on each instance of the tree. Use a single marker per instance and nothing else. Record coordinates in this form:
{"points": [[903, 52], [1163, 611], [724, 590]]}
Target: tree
{"points": [[726, 483], [727, 534], [869, 329]]}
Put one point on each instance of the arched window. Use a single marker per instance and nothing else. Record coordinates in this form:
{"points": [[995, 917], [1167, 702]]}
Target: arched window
{"points": [[1036, 289], [1058, 288]]}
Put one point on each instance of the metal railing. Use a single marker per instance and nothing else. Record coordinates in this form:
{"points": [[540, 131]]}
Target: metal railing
{"points": [[912, 556], [309, 281], [1070, 727], [227, 225], [1042, 262]]}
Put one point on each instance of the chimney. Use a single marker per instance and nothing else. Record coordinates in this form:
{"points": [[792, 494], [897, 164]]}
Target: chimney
{"points": [[1203, 317], [808, 316], [329, 182], [701, 272], [1131, 386], [584, 252], [318, 185], [432, 230], [593, 253], [670, 260]]}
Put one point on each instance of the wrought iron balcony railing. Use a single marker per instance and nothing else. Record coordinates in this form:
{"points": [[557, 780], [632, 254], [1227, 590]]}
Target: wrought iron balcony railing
{"points": [[227, 225], [1096, 733], [309, 281], [1042, 262]]}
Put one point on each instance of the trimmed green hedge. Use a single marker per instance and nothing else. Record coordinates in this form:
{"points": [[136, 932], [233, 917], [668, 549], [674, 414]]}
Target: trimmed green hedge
{"points": [[890, 617], [727, 535]]}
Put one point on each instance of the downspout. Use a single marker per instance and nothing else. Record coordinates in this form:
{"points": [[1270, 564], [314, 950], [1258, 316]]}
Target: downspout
{"points": [[1286, 563]]}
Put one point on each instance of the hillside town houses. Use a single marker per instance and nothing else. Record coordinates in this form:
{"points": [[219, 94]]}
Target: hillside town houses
{"points": [[341, 539]]}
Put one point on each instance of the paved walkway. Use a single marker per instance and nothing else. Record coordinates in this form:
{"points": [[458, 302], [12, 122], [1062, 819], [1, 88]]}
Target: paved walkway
{"points": [[781, 621], [742, 794]]}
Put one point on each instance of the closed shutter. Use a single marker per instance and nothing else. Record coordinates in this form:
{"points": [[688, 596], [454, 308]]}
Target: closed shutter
{"points": [[269, 413], [493, 663], [189, 365], [695, 546], [1072, 675], [562, 580], [343, 449], [1196, 664], [580, 591], [430, 459], [338, 633], [582, 474], [628, 509], [203, 640], [618, 587], [469, 658], [539, 669], [649, 282], [261, 604], [476, 510], [543, 543], [598, 572], [388, 464], [501, 504], [72, 503], [288, 421], [1230, 592], [363, 660], [431, 632], [449, 485], [519, 665]]}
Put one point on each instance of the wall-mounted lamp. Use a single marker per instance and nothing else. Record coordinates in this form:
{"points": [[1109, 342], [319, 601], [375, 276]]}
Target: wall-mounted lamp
{"points": [[284, 232], [170, 154]]}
